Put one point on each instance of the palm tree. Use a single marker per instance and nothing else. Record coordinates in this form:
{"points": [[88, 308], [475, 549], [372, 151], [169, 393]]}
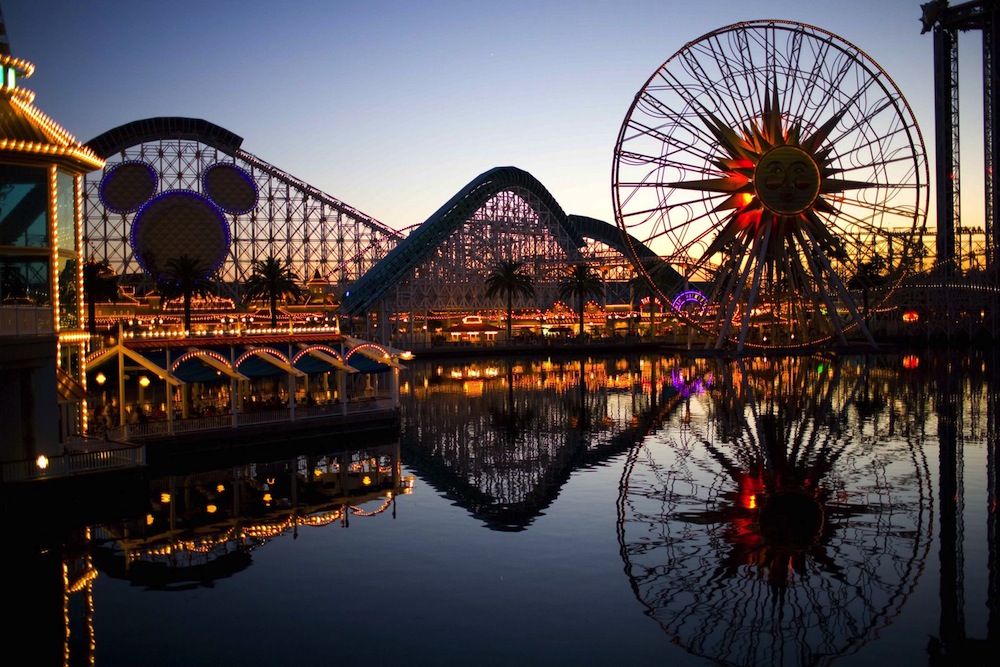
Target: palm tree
{"points": [[581, 282], [512, 419], [99, 285], [656, 279], [186, 276], [869, 277], [271, 280], [507, 278], [641, 289]]}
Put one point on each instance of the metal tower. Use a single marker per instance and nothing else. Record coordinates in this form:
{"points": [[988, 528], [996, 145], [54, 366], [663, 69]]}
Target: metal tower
{"points": [[945, 21]]}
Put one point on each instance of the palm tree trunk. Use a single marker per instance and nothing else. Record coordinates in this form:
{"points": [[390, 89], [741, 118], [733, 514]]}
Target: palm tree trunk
{"points": [[510, 311], [581, 317], [274, 310]]}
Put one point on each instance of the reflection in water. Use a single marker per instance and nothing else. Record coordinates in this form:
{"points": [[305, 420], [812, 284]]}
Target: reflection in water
{"points": [[785, 520], [770, 512], [198, 528], [203, 526], [502, 437]]}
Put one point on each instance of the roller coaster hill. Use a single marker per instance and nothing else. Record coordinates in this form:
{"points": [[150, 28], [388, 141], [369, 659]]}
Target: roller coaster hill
{"points": [[174, 186]]}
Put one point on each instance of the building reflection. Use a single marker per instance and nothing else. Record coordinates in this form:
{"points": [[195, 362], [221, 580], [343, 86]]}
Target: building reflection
{"points": [[503, 436], [191, 531], [204, 526], [785, 515]]}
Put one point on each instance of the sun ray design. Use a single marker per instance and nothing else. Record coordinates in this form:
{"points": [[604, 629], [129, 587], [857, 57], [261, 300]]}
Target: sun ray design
{"points": [[771, 180]]}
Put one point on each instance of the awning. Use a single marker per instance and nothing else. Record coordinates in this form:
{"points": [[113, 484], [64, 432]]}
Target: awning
{"points": [[367, 365], [113, 352], [327, 359], [371, 352], [374, 354], [69, 389], [261, 363], [200, 368], [279, 362], [221, 367]]}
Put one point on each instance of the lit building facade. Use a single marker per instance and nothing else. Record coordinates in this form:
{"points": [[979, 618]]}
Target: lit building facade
{"points": [[42, 332]]}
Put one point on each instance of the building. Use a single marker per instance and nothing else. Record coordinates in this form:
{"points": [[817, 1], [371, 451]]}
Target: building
{"points": [[42, 338]]}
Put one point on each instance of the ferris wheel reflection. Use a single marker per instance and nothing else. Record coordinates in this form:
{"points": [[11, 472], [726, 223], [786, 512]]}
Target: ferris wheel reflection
{"points": [[777, 520]]}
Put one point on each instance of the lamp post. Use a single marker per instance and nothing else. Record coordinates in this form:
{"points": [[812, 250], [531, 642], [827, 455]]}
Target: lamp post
{"points": [[143, 383], [100, 379]]}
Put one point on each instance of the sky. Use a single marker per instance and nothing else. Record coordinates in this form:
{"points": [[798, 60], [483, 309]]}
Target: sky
{"points": [[394, 106]]}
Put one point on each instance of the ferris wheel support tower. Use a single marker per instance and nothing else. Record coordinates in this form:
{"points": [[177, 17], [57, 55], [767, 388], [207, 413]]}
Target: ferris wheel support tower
{"points": [[945, 21]]}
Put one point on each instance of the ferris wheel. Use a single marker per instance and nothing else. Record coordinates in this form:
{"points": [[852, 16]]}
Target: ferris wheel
{"points": [[779, 171]]}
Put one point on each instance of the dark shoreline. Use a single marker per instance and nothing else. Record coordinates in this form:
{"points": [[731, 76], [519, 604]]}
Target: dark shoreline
{"points": [[898, 345]]}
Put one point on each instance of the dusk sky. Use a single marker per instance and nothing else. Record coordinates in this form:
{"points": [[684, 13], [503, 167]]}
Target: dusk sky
{"points": [[392, 107]]}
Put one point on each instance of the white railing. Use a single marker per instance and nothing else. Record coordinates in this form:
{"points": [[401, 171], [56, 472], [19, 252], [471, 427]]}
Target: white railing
{"points": [[89, 458], [263, 416], [201, 423]]}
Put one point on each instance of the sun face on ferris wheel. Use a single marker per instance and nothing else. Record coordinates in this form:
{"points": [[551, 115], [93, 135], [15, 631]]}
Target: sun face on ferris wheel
{"points": [[778, 170], [774, 177]]}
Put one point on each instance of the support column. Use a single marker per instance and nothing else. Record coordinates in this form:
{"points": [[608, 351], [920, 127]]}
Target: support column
{"points": [[234, 404], [170, 398], [342, 390], [991, 143], [395, 387], [946, 144], [121, 379], [234, 390]]}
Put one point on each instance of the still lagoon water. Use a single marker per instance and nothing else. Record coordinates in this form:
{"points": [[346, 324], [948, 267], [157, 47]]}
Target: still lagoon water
{"points": [[629, 509]]}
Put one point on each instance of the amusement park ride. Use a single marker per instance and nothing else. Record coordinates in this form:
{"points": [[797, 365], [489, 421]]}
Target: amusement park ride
{"points": [[798, 169], [782, 172], [769, 181], [945, 22]]}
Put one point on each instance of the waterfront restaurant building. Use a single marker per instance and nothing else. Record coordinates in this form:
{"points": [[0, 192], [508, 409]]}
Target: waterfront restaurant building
{"points": [[42, 336]]}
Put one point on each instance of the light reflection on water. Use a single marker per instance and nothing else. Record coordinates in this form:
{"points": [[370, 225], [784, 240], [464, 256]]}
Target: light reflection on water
{"points": [[584, 511], [780, 521]]}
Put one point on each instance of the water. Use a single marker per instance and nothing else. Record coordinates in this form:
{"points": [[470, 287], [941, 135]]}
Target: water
{"points": [[587, 511]]}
